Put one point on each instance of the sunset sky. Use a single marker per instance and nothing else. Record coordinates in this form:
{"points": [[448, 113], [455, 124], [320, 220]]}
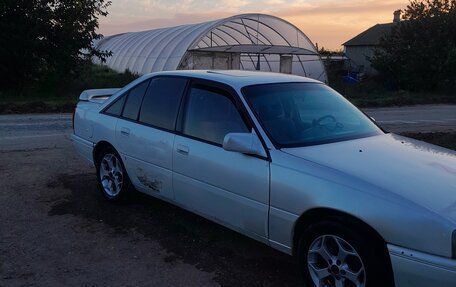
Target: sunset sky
{"points": [[327, 22]]}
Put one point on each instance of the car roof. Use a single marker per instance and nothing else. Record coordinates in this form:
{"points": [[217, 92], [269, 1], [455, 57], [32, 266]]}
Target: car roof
{"points": [[237, 78]]}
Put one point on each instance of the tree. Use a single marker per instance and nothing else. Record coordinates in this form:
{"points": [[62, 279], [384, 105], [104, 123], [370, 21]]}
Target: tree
{"points": [[322, 51], [39, 37], [420, 52]]}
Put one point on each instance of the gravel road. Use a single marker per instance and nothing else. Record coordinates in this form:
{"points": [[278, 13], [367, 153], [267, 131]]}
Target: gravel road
{"points": [[425, 118]]}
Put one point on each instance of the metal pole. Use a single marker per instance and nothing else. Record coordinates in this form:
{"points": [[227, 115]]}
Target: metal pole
{"points": [[258, 63]]}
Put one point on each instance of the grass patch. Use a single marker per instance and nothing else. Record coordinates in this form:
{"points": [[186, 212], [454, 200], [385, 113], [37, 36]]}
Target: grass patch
{"points": [[373, 93], [53, 94], [397, 98], [447, 140]]}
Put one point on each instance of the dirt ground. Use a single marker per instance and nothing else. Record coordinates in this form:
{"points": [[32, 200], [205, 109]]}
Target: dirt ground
{"points": [[57, 230]]}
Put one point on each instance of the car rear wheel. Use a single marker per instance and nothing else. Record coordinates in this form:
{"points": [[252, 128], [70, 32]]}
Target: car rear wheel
{"points": [[112, 177], [332, 254]]}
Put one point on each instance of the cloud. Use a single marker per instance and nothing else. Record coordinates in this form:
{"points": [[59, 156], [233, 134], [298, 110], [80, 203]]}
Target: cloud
{"points": [[328, 22]]}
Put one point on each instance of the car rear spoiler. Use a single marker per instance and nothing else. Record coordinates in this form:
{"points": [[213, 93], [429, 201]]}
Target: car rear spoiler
{"points": [[97, 95]]}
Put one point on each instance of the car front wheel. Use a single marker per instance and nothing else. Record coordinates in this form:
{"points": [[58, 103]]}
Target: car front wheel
{"points": [[331, 254]]}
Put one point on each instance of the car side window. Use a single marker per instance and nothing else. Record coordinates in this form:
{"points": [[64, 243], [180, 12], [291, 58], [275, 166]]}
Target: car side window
{"points": [[115, 108], [133, 102], [161, 102], [211, 115]]}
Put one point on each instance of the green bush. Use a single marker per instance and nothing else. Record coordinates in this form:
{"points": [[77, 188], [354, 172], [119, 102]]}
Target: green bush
{"points": [[419, 54], [56, 94]]}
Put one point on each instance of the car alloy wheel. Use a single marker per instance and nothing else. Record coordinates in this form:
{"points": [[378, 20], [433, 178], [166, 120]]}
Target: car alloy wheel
{"points": [[333, 262], [111, 175]]}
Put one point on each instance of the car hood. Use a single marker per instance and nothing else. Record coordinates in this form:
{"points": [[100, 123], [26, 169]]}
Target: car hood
{"points": [[419, 172]]}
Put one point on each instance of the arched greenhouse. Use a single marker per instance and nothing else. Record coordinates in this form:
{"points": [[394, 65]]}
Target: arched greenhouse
{"points": [[245, 42]]}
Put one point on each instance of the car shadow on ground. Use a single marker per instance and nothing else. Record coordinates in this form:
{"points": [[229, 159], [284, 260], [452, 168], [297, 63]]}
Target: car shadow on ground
{"points": [[234, 259]]}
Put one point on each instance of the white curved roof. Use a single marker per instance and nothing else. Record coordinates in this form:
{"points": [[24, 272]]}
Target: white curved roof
{"points": [[163, 49]]}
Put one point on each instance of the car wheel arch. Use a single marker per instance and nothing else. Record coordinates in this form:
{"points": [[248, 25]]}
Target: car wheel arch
{"points": [[100, 146], [320, 214], [312, 220]]}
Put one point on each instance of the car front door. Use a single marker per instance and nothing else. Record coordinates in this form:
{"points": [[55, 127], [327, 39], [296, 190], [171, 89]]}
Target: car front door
{"points": [[146, 134], [229, 187]]}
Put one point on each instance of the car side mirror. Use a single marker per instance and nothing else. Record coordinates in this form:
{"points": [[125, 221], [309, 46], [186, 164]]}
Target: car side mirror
{"points": [[247, 143]]}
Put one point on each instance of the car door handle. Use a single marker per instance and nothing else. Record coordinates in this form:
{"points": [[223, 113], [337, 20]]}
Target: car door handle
{"points": [[125, 131], [182, 149]]}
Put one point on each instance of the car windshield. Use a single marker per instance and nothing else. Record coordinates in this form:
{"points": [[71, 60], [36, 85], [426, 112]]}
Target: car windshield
{"points": [[302, 114]]}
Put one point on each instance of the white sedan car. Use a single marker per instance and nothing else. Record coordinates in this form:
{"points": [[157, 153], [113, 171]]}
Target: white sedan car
{"points": [[284, 160]]}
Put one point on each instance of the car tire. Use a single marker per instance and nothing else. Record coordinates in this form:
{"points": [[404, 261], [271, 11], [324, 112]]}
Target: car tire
{"points": [[334, 253], [112, 176]]}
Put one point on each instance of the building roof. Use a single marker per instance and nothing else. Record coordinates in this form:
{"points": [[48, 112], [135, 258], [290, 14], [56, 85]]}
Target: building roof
{"points": [[370, 37]]}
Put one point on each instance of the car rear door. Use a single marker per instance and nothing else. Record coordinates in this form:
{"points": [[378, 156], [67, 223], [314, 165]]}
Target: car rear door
{"points": [[231, 188], [146, 134]]}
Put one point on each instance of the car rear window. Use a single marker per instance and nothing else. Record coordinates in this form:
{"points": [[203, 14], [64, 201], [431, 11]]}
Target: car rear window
{"points": [[161, 102], [115, 108], [133, 103]]}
